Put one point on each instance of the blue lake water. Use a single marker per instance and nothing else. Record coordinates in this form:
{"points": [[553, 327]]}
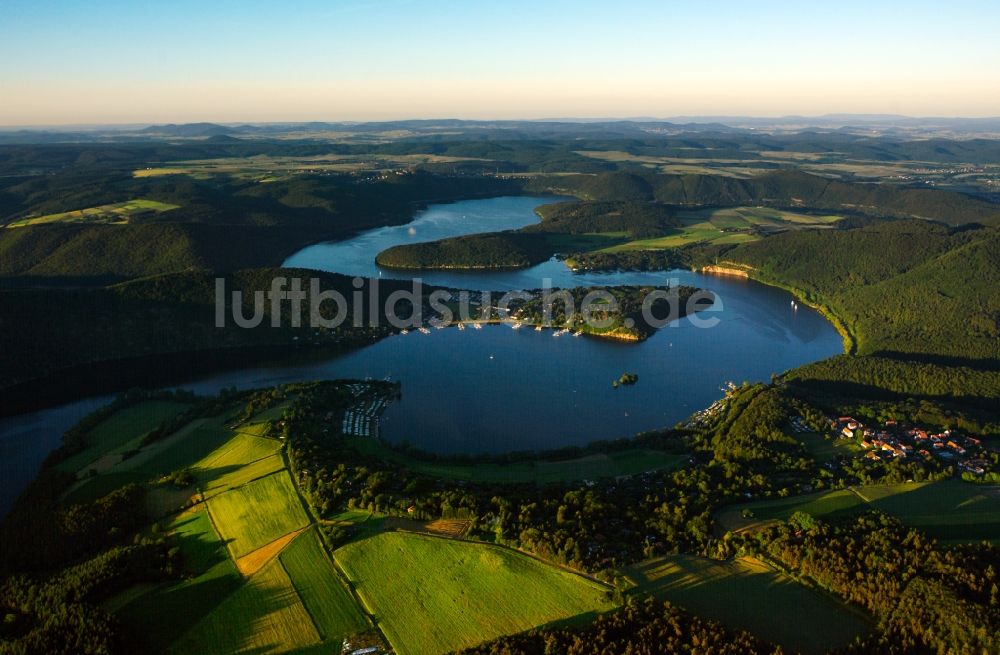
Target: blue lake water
{"points": [[499, 389]]}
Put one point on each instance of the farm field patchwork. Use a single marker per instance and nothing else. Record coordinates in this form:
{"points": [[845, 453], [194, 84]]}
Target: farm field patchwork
{"points": [[114, 213], [747, 594], [263, 616], [118, 433], [219, 458], [730, 225], [257, 513], [435, 595], [183, 448], [324, 595], [241, 459], [268, 168], [949, 510]]}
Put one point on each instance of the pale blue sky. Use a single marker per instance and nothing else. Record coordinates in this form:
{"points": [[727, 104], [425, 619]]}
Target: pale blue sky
{"points": [[180, 60]]}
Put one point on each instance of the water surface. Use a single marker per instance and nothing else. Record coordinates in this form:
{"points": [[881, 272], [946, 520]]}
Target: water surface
{"points": [[499, 389]]}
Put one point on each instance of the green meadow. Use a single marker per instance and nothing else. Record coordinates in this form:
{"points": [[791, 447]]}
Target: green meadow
{"points": [[122, 431], [257, 513], [323, 593], [587, 467], [727, 226], [265, 615], [951, 511], [115, 213], [434, 595]]}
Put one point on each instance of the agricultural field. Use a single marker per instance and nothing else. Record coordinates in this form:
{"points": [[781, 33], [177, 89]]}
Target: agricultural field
{"points": [[325, 596], [730, 225], [118, 213], [240, 460], [950, 510], [122, 431], [265, 615], [433, 595], [269, 168], [589, 467], [738, 168], [219, 459], [826, 450], [260, 578], [826, 164], [257, 513], [164, 614], [747, 594]]}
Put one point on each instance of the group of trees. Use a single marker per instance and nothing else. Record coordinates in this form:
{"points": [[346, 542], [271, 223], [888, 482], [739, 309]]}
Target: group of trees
{"points": [[639, 220], [61, 613], [628, 260], [58, 563], [647, 627], [498, 250], [926, 598]]}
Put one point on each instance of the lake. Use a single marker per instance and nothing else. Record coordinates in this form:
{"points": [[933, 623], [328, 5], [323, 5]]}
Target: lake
{"points": [[498, 389]]}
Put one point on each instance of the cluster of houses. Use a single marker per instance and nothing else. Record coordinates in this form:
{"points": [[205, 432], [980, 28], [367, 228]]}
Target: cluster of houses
{"points": [[893, 440]]}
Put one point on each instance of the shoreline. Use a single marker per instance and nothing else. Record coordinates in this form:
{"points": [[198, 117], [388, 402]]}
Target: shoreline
{"points": [[848, 338]]}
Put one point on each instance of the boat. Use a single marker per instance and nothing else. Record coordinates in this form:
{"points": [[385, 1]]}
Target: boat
{"points": [[424, 330], [404, 331], [577, 333], [461, 326], [538, 328], [515, 326], [478, 326]]}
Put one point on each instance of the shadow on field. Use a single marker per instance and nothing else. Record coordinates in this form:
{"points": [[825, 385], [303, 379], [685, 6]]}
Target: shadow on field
{"points": [[159, 618]]}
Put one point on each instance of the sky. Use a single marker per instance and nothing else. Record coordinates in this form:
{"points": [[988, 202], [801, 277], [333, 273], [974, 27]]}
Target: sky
{"points": [[137, 61]]}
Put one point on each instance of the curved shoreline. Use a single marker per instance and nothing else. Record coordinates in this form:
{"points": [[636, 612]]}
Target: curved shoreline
{"points": [[838, 323]]}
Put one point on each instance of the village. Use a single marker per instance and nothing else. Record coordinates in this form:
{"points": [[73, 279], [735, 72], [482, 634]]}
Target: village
{"points": [[892, 440]]}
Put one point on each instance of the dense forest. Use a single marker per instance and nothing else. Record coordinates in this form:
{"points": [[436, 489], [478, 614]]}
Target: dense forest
{"points": [[169, 322], [500, 250], [639, 627], [221, 224], [918, 300], [927, 598]]}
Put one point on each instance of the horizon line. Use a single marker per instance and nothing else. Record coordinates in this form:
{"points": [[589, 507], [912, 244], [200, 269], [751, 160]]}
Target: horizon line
{"points": [[679, 119]]}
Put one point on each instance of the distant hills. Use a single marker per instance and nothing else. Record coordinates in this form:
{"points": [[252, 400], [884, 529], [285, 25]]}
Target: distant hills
{"points": [[858, 124]]}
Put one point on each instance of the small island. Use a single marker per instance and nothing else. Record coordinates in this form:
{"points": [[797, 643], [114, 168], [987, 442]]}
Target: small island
{"points": [[627, 379]]}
